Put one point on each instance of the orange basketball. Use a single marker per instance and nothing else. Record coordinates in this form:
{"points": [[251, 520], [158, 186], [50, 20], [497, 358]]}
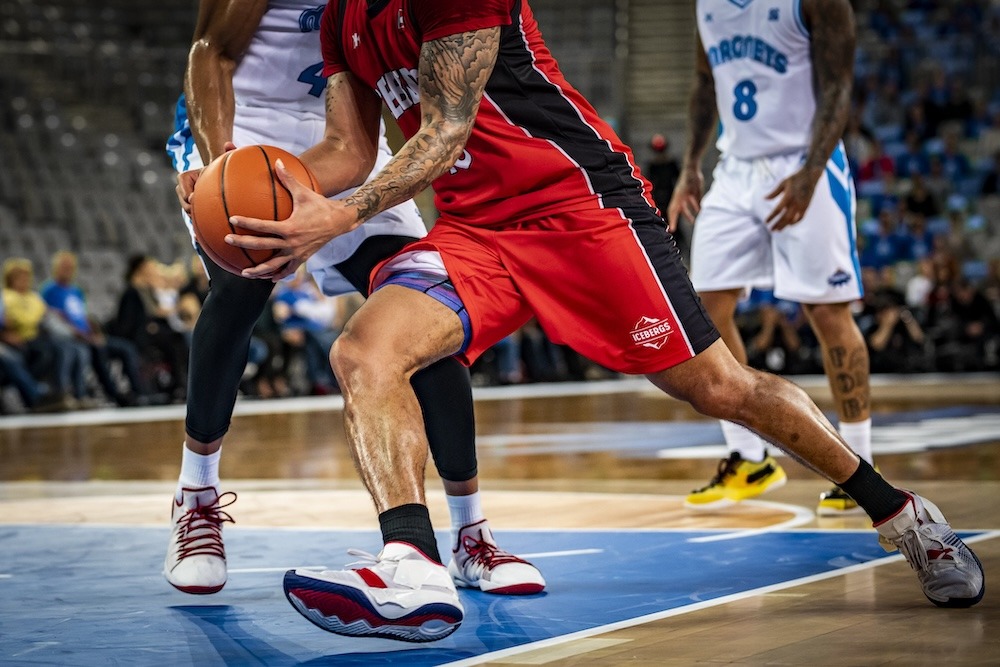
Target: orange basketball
{"points": [[242, 182]]}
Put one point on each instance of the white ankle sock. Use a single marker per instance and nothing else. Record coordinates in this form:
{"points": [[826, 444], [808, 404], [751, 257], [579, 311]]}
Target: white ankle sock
{"points": [[858, 436], [464, 510], [198, 470], [740, 439]]}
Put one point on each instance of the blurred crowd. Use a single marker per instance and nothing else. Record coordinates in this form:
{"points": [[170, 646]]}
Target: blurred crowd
{"points": [[55, 356], [924, 145]]}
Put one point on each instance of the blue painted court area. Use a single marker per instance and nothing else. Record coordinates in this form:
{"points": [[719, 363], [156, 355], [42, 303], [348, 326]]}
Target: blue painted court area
{"points": [[79, 595]]}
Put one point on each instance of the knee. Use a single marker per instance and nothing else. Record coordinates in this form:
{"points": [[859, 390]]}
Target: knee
{"points": [[727, 396], [360, 362], [829, 316]]}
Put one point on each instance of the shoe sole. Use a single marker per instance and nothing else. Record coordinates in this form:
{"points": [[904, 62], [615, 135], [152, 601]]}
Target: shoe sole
{"points": [[345, 610], [729, 502], [513, 589], [197, 590]]}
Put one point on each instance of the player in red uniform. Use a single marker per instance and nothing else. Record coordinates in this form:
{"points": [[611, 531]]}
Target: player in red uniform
{"points": [[542, 212]]}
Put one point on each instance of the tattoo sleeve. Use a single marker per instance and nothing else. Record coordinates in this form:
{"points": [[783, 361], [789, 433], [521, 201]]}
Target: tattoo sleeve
{"points": [[453, 72], [702, 113], [832, 38]]}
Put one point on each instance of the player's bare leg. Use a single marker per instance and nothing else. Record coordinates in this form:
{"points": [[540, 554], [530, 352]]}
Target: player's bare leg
{"points": [[404, 592], [747, 471], [845, 361], [716, 385], [395, 333]]}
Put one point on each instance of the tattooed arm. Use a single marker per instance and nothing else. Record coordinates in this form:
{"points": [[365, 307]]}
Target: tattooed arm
{"points": [[452, 75], [832, 36], [453, 72], [702, 115]]}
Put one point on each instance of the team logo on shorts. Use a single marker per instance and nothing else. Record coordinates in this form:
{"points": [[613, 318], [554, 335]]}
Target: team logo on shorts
{"points": [[650, 332], [839, 278]]}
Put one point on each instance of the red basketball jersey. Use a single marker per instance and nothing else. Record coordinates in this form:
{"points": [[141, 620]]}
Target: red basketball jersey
{"points": [[537, 146]]}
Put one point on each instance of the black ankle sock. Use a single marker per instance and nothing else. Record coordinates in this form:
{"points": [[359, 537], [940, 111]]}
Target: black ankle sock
{"points": [[411, 524], [878, 498]]}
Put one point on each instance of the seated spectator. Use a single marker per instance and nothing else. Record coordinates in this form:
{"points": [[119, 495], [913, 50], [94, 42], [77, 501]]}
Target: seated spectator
{"points": [[914, 159], [774, 342], [58, 362], [938, 183], [963, 326], [877, 165], [895, 339], [954, 162], [66, 300], [919, 287], [141, 320], [915, 240], [991, 183], [919, 199], [192, 294], [884, 247], [13, 371], [308, 321]]}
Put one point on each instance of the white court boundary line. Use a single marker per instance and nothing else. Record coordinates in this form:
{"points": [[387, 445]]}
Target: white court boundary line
{"points": [[698, 606]]}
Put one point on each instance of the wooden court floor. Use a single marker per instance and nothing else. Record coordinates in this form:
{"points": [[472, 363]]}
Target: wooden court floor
{"points": [[570, 457]]}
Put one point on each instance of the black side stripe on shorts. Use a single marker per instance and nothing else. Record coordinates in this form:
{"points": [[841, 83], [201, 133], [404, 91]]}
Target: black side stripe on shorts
{"points": [[528, 99]]}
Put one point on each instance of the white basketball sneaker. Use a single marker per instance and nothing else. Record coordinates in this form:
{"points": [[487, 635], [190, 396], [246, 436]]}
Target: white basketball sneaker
{"points": [[950, 574], [477, 562], [399, 594], [196, 558]]}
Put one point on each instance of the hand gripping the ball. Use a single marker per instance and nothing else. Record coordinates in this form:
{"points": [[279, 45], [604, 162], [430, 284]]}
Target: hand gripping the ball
{"points": [[313, 222]]}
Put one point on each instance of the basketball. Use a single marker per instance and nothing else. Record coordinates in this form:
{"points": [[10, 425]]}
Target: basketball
{"points": [[242, 182]]}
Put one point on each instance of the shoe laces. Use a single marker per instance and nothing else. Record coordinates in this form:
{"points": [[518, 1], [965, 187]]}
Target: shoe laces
{"points": [[367, 559], [726, 468], [201, 528], [913, 544], [487, 554]]}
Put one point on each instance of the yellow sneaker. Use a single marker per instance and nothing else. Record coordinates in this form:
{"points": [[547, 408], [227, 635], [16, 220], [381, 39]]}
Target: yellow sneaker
{"points": [[737, 480], [837, 503]]}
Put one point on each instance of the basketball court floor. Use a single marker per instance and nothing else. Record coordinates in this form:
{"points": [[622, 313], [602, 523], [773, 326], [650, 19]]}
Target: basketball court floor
{"points": [[586, 480]]}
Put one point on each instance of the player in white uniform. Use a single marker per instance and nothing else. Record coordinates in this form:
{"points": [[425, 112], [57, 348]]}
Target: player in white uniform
{"points": [[254, 77], [781, 210]]}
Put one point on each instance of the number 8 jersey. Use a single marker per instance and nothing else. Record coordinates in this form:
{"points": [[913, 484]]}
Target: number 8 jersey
{"points": [[760, 58]]}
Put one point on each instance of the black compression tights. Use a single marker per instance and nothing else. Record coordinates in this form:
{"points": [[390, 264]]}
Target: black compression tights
{"points": [[222, 339]]}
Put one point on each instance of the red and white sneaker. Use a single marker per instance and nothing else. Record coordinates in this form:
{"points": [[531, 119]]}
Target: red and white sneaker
{"points": [[399, 594], [196, 558], [477, 562], [949, 572]]}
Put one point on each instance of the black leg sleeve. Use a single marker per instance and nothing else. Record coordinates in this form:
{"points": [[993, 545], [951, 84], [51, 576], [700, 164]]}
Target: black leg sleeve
{"points": [[219, 349], [444, 392]]}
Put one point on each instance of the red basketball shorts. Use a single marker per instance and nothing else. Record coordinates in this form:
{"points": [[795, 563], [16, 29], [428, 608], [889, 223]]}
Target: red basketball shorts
{"points": [[615, 291]]}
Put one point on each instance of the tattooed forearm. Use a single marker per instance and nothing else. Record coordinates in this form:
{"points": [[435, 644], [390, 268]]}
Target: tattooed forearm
{"points": [[832, 37], [701, 110], [453, 72]]}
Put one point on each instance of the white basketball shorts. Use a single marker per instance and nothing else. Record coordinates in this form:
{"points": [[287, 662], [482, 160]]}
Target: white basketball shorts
{"points": [[814, 261]]}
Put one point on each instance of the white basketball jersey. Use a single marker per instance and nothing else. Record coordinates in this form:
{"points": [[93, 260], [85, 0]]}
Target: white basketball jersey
{"points": [[283, 66], [760, 58]]}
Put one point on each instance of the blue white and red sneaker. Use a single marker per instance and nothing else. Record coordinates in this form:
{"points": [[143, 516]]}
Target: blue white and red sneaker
{"points": [[477, 562], [949, 572], [399, 594], [196, 556]]}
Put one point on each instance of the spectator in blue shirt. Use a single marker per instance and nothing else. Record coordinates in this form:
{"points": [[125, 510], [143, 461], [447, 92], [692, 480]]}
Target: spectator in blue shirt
{"points": [[65, 298], [914, 159], [883, 248], [307, 320]]}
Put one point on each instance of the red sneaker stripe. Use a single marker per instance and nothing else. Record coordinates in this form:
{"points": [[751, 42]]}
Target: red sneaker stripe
{"points": [[371, 578]]}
